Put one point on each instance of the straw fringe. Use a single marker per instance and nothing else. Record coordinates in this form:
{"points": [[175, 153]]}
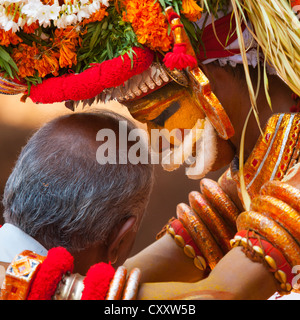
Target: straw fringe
{"points": [[276, 29]]}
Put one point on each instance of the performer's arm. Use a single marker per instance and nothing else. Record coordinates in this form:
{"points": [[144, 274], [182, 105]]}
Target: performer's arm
{"points": [[234, 277], [164, 260]]}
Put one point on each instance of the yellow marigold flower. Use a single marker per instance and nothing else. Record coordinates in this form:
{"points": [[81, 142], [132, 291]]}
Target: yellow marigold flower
{"points": [[191, 10], [149, 23]]}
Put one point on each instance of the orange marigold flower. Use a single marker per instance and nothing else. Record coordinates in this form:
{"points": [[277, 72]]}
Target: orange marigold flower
{"points": [[191, 10], [47, 63], [30, 29], [51, 2], [66, 41], [67, 56], [96, 16], [24, 56], [8, 37], [149, 23]]}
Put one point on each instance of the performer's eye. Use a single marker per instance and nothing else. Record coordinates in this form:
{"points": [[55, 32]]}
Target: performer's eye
{"points": [[166, 114]]}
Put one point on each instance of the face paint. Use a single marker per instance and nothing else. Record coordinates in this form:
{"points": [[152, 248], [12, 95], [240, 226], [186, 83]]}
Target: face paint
{"points": [[189, 118]]}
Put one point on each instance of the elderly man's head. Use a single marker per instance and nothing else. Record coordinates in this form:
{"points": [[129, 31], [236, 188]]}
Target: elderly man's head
{"points": [[59, 194]]}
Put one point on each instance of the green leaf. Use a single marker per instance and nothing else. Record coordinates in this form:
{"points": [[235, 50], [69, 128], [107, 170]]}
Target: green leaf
{"points": [[162, 3], [8, 62], [95, 36], [109, 50]]}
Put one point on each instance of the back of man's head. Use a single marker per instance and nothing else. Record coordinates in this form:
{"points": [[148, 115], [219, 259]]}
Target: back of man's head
{"points": [[60, 195]]}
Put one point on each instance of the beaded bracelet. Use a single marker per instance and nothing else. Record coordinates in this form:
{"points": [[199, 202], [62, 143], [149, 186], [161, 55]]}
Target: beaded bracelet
{"points": [[258, 249], [200, 234], [183, 239], [273, 231]]}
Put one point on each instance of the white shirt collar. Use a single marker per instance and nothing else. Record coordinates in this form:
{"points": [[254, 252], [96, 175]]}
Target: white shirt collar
{"points": [[13, 241]]}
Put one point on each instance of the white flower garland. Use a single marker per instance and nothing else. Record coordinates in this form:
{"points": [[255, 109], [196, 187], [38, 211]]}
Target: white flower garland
{"points": [[34, 10]]}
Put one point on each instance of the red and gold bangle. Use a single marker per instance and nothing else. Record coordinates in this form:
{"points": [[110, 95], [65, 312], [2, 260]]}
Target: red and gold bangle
{"points": [[20, 275], [212, 220], [273, 232], [281, 212], [257, 248], [200, 234], [220, 201], [282, 191], [183, 239]]}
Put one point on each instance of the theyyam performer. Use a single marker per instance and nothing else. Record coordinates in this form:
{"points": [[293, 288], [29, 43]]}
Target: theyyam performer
{"points": [[226, 71]]}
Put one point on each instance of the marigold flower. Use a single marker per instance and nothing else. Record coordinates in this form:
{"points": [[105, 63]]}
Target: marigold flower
{"points": [[8, 37], [191, 10], [47, 63], [149, 23], [24, 56], [67, 40], [30, 29]]}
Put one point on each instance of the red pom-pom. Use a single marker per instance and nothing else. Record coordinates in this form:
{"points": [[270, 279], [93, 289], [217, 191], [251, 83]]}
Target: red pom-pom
{"points": [[179, 59], [58, 262], [96, 282]]}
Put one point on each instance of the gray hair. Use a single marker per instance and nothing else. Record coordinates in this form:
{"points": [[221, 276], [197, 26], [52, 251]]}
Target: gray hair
{"points": [[62, 196]]}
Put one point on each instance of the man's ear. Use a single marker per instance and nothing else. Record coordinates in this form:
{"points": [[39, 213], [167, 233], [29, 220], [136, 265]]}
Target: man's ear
{"points": [[119, 244]]}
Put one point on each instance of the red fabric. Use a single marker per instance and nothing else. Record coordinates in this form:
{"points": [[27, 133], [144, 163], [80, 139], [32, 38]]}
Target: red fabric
{"points": [[215, 46], [58, 262], [91, 82], [295, 3], [273, 252], [96, 282], [179, 59]]}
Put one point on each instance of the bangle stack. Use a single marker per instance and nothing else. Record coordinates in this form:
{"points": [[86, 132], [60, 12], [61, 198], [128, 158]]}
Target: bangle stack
{"points": [[124, 289], [205, 227], [275, 216], [200, 234]]}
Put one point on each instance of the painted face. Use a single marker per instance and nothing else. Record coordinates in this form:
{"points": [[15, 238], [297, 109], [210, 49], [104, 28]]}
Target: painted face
{"points": [[184, 120]]}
